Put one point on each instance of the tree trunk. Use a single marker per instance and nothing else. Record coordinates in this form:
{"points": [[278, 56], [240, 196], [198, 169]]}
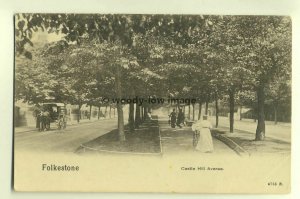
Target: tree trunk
{"points": [[217, 112], [114, 112], [90, 112], [241, 112], [137, 116], [200, 109], [131, 117], [275, 115], [119, 105], [260, 130], [79, 113], [105, 113], [109, 111], [231, 109], [206, 108], [145, 112], [189, 112], [99, 112], [142, 113], [193, 105]]}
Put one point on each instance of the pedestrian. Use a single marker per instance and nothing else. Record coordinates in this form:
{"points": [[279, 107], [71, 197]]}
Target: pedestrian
{"points": [[45, 120], [62, 121], [172, 116], [149, 115], [41, 120], [180, 118], [205, 143], [37, 115]]}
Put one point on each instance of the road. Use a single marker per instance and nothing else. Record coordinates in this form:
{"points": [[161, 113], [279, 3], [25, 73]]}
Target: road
{"points": [[67, 140]]}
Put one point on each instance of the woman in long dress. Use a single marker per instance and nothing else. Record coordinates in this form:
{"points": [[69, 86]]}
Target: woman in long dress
{"points": [[205, 143]]}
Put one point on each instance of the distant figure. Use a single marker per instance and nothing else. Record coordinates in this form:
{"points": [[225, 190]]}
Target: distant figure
{"points": [[39, 121], [54, 112], [172, 117], [205, 143], [101, 114], [37, 114], [180, 118], [62, 123], [149, 115], [45, 120]]}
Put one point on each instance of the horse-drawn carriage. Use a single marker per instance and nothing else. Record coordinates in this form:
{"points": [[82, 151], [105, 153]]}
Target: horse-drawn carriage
{"points": [[52, 113]]}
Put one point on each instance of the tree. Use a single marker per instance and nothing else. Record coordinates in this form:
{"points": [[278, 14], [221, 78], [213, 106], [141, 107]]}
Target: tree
{"points": [[278, 96], [267, 52], [34, 83], [226, 49]]}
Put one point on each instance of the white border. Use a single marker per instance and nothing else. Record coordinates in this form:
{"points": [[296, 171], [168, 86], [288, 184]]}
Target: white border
{"points": [[238, 7]]}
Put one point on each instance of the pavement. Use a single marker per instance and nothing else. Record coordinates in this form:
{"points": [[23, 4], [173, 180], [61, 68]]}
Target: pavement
{"points": [[280, 131], [277, 140], [244, 144]]}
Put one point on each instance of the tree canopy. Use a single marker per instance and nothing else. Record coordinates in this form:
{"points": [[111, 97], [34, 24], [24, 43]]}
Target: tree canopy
{"points": [[195, 56]]}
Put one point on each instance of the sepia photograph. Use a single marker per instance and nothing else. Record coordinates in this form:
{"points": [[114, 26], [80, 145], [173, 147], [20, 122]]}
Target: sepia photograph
{"points": [[169, 103]]}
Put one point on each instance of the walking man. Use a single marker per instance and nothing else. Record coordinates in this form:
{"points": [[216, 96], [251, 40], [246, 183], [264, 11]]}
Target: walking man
{"points": [[180, 118], [173, 118]]}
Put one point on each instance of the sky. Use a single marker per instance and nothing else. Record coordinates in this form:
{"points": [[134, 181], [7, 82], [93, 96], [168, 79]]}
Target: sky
{"points": [[40, 37]]}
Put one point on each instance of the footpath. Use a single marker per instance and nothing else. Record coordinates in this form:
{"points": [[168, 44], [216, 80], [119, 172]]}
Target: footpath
{"points": [[177, 140], [280, 131], [244, 144], [241, 141]]}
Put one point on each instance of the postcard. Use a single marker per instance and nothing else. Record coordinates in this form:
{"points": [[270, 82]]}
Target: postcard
{"points": [[152, 103]]}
